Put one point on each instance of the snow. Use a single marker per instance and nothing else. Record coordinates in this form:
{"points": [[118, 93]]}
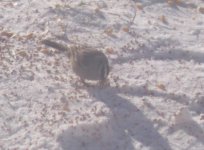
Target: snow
{"points": [[155, 100]]}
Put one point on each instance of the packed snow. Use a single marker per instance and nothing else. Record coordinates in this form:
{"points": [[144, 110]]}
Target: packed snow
{"points": [[155, 96]]}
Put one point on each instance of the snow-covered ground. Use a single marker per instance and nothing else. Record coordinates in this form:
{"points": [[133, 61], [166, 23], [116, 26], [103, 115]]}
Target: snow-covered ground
{"points": [[155, 100]]}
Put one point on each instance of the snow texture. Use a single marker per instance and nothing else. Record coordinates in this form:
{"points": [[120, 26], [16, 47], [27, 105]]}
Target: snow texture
{"points": [[155, 96]]}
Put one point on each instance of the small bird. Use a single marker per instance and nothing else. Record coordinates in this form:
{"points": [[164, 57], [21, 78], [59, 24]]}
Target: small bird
{"points": [[87, 63]]}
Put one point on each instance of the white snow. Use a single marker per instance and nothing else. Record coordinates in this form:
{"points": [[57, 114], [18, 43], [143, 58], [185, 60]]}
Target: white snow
{"points": [[155, 100]]}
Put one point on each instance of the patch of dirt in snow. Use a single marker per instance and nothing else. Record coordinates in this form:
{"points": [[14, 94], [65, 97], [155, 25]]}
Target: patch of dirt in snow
{"points": [[155, 99]]}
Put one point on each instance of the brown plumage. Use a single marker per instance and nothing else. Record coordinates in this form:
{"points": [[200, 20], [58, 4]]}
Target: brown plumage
{"points": [[86, 63]]}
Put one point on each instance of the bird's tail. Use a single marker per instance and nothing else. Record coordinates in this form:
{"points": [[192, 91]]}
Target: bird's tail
{"points": [[55, 45]]}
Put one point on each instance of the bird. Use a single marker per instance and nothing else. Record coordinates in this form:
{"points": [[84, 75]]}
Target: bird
{"points": [[87, 63]]}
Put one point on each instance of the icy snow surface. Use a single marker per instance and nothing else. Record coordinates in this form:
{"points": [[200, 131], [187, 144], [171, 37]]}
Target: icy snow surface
{"points": [[155, 100]]}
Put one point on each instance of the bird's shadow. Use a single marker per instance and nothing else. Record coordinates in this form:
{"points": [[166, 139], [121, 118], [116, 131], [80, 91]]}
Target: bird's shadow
{"points": [[128, 125], [134, 121], [130, 121]]}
